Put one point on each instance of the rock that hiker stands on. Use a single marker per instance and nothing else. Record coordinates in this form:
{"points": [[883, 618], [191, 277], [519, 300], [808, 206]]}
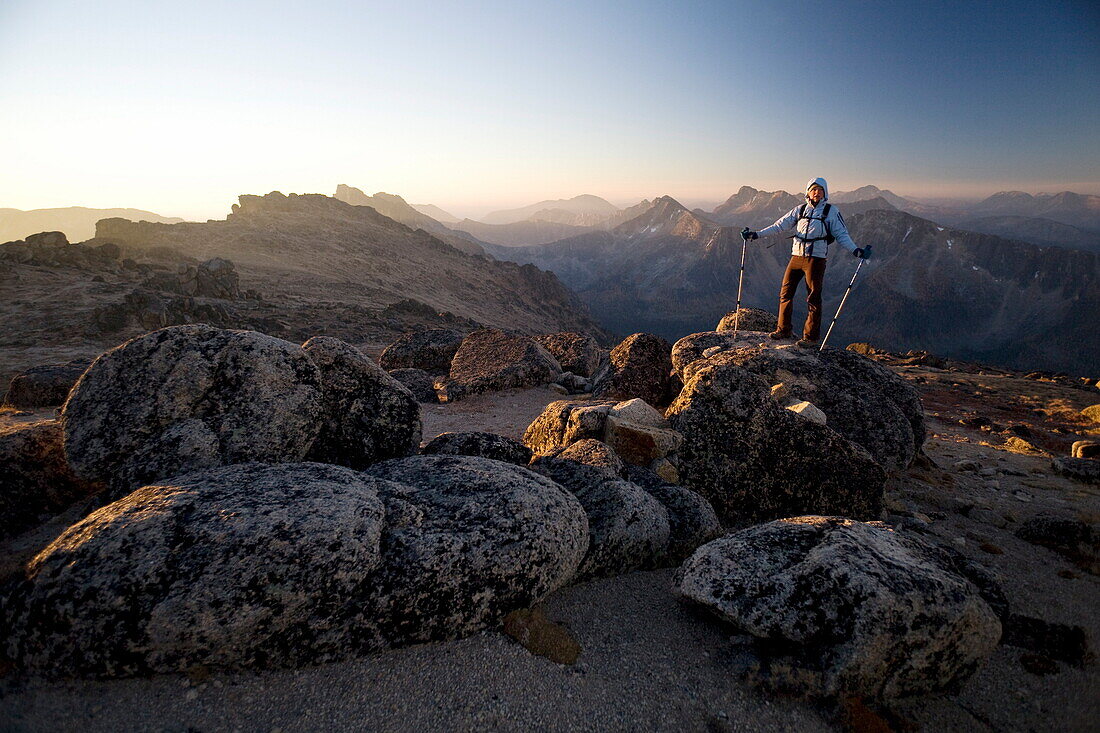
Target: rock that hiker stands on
{"points": [[863, 400], [190, 397], [754, 460], [489, 360], [864, 611], [752, 319], [181, 574], [430, 350], [639, 367], [367, 415]]}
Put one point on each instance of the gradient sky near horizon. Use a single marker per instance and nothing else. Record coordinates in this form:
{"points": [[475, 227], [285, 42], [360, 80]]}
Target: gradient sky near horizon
{"points": [[179, 107]]}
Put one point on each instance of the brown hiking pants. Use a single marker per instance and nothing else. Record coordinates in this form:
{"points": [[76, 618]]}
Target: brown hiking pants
{"points": [[813, 269]]}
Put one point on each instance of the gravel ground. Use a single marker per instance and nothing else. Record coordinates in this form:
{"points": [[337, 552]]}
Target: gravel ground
{"points": [[647, 664]]}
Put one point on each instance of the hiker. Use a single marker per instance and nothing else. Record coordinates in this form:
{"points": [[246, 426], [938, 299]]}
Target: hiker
{"points": [[817, 224]]}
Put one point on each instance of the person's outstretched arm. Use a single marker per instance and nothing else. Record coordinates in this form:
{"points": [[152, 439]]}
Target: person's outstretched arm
{"points": [[783, 224]]}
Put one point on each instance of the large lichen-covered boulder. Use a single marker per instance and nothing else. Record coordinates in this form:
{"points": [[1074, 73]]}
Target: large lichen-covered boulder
{"points": [[467, 540], [419, 382], [754, 460], [185, 398], [863, 611], [628, 528], [575, 352], [564, 422], [489, 360], [430, 350], [35, 478], [485, 445], [367, 416], [862, 400], [750, 319], [639, 367], [241, 566], [44, 386]]}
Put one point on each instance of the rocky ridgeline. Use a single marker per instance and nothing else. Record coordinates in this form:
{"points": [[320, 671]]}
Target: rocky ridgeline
{"points": [[231, 458]]}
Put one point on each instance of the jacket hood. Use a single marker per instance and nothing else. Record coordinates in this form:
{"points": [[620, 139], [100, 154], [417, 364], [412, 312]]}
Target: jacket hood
{"points": [[818, 182]]}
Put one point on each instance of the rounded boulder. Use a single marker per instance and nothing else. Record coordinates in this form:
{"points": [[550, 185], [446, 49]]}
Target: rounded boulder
{"points": [[241, 566], [186, 398]]}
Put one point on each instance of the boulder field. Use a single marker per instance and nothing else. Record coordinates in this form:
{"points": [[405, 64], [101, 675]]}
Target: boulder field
{"points": [[269, 504]]}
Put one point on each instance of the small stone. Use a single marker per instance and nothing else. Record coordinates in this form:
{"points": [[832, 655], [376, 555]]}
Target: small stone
{"points": [[554, 387], [990, 548], [664, 468], [808, 411], [965, 465], [781, 392]]}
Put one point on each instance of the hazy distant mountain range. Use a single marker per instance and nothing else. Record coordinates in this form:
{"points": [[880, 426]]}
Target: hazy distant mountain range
{"points": [[77, 222], [584, 210], [672, 272]]}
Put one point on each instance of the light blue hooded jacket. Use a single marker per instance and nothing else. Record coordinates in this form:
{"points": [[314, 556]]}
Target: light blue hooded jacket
{"points": [[812, 228]]}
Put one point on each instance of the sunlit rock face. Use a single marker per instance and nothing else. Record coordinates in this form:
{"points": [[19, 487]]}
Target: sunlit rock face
{"points": [[755, 460]]}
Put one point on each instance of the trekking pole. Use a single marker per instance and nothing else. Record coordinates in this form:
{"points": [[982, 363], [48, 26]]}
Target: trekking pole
{"points": [[866, 256], [740, 282]]}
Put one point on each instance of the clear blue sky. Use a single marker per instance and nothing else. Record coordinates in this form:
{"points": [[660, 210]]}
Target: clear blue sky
{"points": [[179, 107]]}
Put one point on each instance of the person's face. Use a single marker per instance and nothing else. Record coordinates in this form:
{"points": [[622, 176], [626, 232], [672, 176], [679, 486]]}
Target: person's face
{"points": [[816, 194]]}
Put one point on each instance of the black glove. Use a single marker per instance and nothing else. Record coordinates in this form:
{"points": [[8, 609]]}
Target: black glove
{"points": [[859, 253], [746, 234]]}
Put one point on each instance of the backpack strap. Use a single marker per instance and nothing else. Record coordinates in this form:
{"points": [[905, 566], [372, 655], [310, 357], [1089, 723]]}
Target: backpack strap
{"points": [[829, 238]]}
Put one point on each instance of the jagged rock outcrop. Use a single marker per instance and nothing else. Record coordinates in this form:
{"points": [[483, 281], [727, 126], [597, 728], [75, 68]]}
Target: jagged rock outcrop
{"points": [[628, 528], [44, 386], [751, 319], [1076, 539], [366, 415], [754, 460], [861, 399], [417, 381], [183, 573], [35, 478], [860, 610], [152, 310], [484, 445], [187, 398], [489, 360], [430, 350], [52, 249], [214, 278], [639, 367], [575, 352], [467, 540]]}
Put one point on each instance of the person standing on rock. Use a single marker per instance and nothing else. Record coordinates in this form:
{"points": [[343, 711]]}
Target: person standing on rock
{"points": [[816, 225]]}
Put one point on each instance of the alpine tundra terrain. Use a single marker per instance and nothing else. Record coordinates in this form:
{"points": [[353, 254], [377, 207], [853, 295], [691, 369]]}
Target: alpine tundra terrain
{"points": [[227, 530], [292, 266]]}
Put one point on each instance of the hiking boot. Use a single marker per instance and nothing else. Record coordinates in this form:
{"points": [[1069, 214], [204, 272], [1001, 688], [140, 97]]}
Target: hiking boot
{"points": [[805, 343], [779, 335]]}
